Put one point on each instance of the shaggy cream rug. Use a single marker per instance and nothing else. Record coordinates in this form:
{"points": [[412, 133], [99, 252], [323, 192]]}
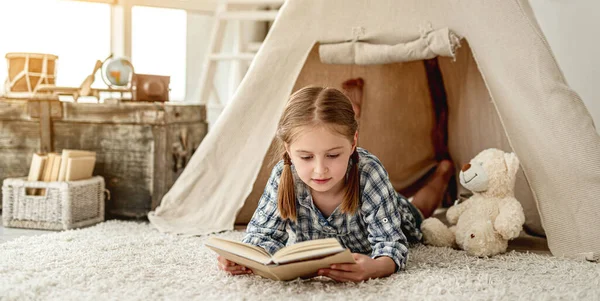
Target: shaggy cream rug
{"points": [[119, 260]]}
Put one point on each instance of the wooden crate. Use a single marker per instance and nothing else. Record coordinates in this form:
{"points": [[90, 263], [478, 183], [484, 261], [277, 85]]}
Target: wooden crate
{"points": [[141, 147]]}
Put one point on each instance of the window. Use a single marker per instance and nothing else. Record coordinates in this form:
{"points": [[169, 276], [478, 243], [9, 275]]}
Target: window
{"points": [[159, 45], [78, 32]]}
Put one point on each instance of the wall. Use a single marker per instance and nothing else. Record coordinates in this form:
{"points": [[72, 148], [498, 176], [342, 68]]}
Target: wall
{"points": [[572, 29]]}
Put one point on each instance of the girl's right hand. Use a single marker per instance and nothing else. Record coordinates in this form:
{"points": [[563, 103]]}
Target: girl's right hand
{"points": [[232, 267]]}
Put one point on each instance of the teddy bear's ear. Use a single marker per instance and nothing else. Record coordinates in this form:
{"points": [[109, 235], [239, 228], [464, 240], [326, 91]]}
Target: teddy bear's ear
{"points": [[512, 163]]}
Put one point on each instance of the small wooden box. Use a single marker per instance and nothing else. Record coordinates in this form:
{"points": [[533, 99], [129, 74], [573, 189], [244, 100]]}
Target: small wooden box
{"points": [[141, 148], [149, 87]]}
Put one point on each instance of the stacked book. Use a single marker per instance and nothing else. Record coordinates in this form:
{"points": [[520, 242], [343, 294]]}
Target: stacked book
{"points": [[71, 165]]}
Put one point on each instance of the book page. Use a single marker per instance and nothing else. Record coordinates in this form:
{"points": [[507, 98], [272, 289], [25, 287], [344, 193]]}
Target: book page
{"points": [[307, 245], [248, 251], [306, 248], [308, 254], [256, 267], [309, 268]]}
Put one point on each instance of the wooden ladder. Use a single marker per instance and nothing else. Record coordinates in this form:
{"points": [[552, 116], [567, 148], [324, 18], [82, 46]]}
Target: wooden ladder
{"points": [[231, 10]]}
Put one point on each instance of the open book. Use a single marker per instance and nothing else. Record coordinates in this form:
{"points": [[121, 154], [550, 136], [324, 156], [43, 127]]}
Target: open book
{"points": [[299, 260]]}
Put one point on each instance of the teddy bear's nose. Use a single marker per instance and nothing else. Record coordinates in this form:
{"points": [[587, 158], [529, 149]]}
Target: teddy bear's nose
{"points": [[466, 167]]}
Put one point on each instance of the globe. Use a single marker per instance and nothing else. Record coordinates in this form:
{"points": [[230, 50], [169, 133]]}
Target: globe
{"points": [[117, 72]]}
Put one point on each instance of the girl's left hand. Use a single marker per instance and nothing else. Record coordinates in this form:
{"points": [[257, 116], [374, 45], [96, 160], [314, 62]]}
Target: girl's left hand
{"points": [[365, 268]]}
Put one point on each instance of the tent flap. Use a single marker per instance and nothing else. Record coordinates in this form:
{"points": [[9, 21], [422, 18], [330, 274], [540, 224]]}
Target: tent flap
{"points": [[432, 43]]}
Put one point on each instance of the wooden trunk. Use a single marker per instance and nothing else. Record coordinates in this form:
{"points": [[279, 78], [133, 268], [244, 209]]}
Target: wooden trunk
{"points": [[141, 147]]}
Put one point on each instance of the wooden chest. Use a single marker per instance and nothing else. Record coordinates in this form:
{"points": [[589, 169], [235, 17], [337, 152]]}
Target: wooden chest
{"points": [[141, 147]]}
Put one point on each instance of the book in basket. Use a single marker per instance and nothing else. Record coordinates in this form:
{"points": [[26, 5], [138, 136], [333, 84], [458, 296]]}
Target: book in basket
{"points": [[303, 259]]}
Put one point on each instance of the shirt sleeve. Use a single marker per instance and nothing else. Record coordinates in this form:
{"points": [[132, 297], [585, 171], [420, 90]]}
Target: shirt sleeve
{"points": [[382, 215], [267, 229]]}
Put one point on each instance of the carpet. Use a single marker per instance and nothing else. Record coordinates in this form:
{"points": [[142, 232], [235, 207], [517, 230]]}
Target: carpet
{"points": [[123, 260]]}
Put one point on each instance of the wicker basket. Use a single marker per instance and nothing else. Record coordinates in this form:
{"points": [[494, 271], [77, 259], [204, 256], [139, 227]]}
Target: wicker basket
{"points": [[63, 205]]}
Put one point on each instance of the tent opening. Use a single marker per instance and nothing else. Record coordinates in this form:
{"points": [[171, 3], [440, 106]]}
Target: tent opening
{"points": [[413, 115]]}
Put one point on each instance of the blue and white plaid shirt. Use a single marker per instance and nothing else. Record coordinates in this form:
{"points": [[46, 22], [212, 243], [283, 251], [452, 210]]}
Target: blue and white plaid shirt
{"points": [[380, 227]]}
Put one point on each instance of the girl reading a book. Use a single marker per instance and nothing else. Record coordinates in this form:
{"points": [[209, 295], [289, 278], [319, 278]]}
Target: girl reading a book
{"points": [[326, 186]]}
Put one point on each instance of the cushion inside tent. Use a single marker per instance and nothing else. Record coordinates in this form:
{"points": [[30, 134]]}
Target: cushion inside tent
{"points": [[398, 118]]}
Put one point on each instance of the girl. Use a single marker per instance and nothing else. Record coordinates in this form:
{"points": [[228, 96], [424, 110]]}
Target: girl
{"points": [[325, 187]]}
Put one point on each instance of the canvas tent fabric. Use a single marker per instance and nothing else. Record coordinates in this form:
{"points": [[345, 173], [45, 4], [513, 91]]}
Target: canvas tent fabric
{"points": [[431, 44], [544, 120]]}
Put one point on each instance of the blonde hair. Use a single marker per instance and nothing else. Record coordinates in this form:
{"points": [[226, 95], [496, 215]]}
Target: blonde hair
{"points": [[315, 106]]}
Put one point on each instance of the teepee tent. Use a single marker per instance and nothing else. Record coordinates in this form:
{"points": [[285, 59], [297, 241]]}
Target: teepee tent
{"points": [[502, 87]]}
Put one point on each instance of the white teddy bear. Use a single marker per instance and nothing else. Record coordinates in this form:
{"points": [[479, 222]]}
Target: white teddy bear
{"points": [[487, 220]]}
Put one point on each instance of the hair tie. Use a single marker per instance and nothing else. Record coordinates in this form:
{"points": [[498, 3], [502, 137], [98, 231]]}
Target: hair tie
{"points": [[355, 157], [286, 159]]}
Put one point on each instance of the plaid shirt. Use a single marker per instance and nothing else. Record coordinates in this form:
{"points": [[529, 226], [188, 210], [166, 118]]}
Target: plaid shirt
{"points": [[380, 227]]}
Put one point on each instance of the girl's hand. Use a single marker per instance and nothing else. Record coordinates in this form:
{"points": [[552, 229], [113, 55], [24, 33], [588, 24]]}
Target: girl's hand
{"points": [[365, 268], [232, 267]]}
